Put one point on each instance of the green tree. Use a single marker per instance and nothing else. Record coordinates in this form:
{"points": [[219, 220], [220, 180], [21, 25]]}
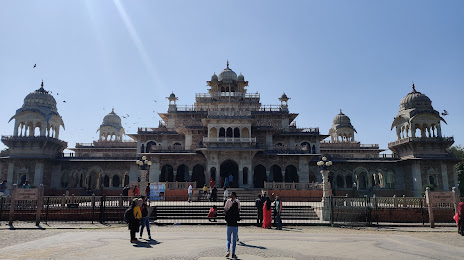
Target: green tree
{"points": [[458, 152]]}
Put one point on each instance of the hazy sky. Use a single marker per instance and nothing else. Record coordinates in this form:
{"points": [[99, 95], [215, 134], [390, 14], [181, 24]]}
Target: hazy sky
{"points": [[361, 56]]}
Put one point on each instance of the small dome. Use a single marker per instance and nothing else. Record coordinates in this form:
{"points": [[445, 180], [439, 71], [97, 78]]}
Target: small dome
{"points": [[241, 77], [341, 120], [416, 100], [172, 95], [214, 77], [227, 74], [284, 97], [112, 119], [40, 98]]}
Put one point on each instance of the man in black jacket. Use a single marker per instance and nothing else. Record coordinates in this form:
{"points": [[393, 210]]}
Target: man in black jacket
{"points": [[232, 217]]}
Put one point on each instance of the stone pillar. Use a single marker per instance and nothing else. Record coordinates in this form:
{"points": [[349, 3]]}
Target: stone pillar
{"points": [[188, 141], [455, 177], [303, 173], [325, 183], [15, 132], [153, 175], [444, 176], [250, 177], [9, 177], [38, 175], [56, 176], [417, 179], [133, 173]]}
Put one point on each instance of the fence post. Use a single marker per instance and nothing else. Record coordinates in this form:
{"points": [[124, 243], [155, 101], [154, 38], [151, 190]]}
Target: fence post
{"points": [[46, 214], [12, 205], [374, 204], [404, 201], [40, 201], [395, 201], [429, 204], [102, 201], [93, 206], [455, 200], [120, 201], [63, 201], [348, 201], [331, 203]]}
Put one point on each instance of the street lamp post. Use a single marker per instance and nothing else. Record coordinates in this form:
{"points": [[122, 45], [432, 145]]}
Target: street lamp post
{"points": [[144, 167], [324, 166]]}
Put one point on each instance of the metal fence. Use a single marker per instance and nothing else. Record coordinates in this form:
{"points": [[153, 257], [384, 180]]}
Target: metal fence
{"points": [[172, 210]]}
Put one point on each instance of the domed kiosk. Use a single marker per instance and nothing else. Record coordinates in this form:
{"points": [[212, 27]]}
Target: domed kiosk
{"points": [[111, 128], [342, 130]]}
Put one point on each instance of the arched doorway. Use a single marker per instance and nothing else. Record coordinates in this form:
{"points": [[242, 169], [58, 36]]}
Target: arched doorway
{"points": [[291, 174], [198, 175], [259, 176], [167, 174], [116, 181], [363, 181], [182, 173], [151, 146], [340, 182], [276, 173], [106, 181], [94, 178], [349, 181], [229, 167]]}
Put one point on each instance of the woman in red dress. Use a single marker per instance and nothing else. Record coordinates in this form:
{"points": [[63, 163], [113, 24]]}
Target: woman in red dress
{"points": [[460, 218], [267, 213]]}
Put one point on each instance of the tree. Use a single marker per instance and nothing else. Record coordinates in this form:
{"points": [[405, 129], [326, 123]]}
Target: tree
{"points": [[458, 152]]}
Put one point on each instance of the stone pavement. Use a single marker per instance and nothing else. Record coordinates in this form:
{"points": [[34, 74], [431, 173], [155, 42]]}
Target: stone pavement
{"points": [[208, 243]]}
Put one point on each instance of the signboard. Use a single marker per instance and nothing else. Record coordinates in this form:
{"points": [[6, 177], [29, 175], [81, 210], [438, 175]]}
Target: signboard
{"points": [[441, 197], [27, 194], [157, 191]]}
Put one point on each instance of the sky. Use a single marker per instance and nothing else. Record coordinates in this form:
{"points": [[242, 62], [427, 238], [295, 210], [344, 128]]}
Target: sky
{"points": [[358, 56]]}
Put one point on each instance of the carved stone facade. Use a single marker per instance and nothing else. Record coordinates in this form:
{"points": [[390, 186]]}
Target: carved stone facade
{"points": [[228, 132]]}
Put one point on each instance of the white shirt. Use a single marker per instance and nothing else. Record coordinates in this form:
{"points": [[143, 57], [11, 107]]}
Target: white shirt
{"points": [[190, 189], [226, 194], [229, 203]]}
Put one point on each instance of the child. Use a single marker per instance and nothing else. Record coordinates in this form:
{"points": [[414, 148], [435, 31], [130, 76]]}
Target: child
{"points": [[212, 214]]}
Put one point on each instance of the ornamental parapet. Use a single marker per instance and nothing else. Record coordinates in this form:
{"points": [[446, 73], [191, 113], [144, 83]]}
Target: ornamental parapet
{"points": [[229, 140], [421, 139], [9, 139], [292, 186]]}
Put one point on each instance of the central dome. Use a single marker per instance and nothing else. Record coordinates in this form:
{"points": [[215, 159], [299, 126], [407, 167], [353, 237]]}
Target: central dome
{"points": [[342, 120], [112, 119], [416, 100], [227, 74], [40, 98]]}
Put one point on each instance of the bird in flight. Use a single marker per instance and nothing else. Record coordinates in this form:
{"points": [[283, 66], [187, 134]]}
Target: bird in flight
{"points": [[64, 101], [444, 113], [35, 65]]}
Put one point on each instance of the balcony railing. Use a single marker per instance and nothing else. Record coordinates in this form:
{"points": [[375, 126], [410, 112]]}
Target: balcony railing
{"points": [[422, 139], [229, 113], [229, 140], [328, 144], [292, 186], [108, 144], [227, 94]]}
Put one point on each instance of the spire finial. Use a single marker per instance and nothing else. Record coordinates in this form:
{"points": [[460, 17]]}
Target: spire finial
{"points": [[112, 110], [413, 87], [42, 84], [227, 63], [341, 111]]}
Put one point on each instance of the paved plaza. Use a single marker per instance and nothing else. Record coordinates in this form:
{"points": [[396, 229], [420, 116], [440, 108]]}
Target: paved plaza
{"points": [[86, 241]]}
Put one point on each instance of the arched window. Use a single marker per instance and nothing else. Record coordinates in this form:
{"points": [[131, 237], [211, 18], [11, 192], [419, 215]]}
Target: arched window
{"points": [[213, 132], [151, 146], [106, 181], [390, 182], [222, 132], [340, 181], [236, 132], [167, 174], [291, 174], [349, 181], [116, 181], [229, 132], [276, 173], [245, 133]]}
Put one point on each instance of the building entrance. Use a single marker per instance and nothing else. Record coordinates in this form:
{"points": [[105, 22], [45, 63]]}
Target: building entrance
{"points": [[229, 167]]}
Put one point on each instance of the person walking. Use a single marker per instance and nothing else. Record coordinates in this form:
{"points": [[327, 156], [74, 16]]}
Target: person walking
{"points": [[212, 214], [460, 218], [232, 217], [205, 191], [136, 191], [267, 214], [190, 193], [133, 219], [277, 212], [259, 208], [147, 190], [226, 182], [214, 194], [145, 221], [231, 180]]}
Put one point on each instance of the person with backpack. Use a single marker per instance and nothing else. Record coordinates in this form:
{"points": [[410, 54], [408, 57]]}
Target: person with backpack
{"points": [[232, 217], [132, 217], [145, 219]]}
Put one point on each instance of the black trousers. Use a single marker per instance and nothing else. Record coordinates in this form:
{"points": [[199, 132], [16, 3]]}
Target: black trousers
{"points": [[134, 229], [259, 219], [461, 226]]}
